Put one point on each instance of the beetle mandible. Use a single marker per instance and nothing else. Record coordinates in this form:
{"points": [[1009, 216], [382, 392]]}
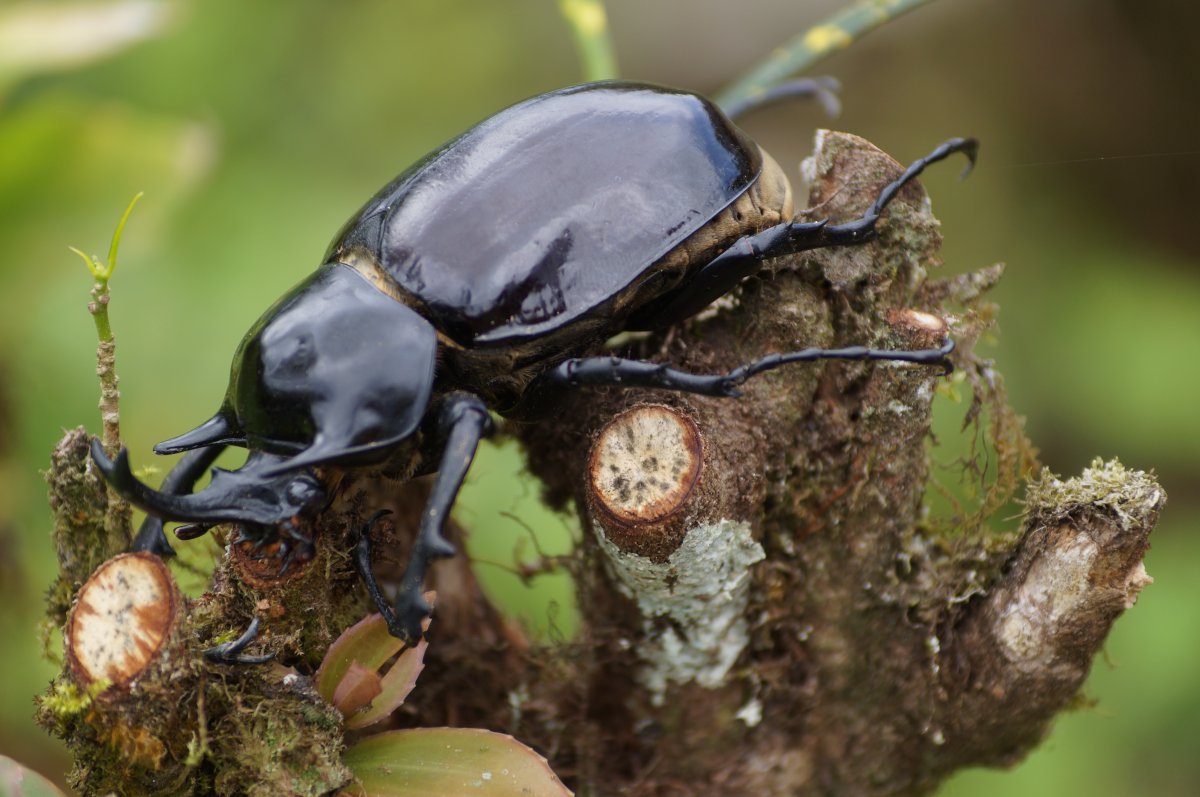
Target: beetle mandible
{"points": [[477, 279]]}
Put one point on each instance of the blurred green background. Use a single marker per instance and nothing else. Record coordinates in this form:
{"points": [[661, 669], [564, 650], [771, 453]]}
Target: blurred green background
{"points": [[257, 128]]}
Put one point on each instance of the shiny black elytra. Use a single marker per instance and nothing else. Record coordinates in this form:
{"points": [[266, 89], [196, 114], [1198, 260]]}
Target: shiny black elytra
{"points": [[474, 280]]}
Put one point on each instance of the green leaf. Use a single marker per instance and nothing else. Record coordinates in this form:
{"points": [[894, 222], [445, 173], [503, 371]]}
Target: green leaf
{"points": [[449, 762], [17, 781]]}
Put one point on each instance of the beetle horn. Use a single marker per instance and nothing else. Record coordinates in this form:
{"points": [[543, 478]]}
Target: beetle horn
{"points": [[247, 495], [321, 451], [217, 429]]}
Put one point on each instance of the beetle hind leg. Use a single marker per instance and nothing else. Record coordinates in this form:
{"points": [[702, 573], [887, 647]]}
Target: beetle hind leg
{"points": [[824, 89], [863, 228], [746, 255]]}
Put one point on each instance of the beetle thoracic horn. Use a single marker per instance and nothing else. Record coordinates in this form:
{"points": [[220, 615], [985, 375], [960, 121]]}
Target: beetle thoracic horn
{"points": [[321, 451], [217, 429], [247, 495]]}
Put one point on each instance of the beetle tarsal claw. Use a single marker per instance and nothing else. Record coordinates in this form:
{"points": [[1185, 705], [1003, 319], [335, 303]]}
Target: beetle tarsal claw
{"points": [[411, 610], [230, 652]]}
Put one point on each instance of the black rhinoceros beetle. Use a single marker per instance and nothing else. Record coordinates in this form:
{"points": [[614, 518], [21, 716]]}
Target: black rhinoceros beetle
{"points": [[475, 280]]}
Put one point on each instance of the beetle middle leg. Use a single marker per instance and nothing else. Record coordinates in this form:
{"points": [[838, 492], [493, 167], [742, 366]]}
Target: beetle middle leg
{"points": [[619, 372], [745, 257], [463, 422]]}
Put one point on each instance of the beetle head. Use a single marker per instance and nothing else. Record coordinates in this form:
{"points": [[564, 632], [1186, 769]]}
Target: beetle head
{"points": [[336, 370]]}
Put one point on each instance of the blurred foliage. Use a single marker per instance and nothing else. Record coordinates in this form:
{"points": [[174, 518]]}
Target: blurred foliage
{"points": [[256, 128]]}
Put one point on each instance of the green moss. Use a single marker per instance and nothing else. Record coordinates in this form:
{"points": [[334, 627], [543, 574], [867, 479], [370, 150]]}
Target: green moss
{"points": [[1131, 495], [79, 501], [287, 742]]}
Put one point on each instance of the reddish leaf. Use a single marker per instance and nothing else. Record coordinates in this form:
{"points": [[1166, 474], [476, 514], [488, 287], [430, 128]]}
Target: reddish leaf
{"points": [[394, 688], [358, 687], [366, 642]]}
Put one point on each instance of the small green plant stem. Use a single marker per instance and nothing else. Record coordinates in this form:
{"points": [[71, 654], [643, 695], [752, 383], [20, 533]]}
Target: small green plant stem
{"points": [[117, 511], [800, 53], [589, 24], [106, 349]]}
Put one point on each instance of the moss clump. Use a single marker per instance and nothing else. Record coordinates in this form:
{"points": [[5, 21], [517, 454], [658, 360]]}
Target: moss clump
{"points": [[1130, 495], [287, 741], [79, 501]]}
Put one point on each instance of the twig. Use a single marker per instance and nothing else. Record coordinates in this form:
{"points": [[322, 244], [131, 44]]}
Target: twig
{"points": [[816, 43], [106, 366], [589, 25]]}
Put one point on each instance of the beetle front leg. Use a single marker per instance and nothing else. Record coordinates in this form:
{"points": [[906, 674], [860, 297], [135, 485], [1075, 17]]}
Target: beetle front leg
{"points": [[231, 652], [464, 422], [179, 481], [362, 560]]}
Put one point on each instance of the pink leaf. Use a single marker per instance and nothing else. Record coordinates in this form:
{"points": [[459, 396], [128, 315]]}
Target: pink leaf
{"points": [[368, 643], [17, 781], [358, 687], [395, 687]]}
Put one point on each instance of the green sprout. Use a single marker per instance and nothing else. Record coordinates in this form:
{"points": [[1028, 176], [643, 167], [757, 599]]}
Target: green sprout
{"points": [[103, 273], [589, 24], [117, 511], [818, 42]]}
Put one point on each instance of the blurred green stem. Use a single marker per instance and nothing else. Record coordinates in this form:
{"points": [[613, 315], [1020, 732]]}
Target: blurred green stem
{"points": [[106, 352], [589, 24], [819, 41]]}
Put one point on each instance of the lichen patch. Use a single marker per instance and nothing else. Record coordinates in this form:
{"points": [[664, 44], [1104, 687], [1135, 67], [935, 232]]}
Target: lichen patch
{"points": [[693, 605], [1056, 585]]}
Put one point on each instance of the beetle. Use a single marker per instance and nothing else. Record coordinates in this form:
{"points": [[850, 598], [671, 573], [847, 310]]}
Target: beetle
{"points": [[478, 279]]}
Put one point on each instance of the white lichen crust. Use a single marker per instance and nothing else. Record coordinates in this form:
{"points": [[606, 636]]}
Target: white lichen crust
{"points": [[693, 606]]}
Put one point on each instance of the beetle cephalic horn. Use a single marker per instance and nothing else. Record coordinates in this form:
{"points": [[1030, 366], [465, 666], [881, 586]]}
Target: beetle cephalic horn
{"points": [[247, 495], [217, 429]]}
